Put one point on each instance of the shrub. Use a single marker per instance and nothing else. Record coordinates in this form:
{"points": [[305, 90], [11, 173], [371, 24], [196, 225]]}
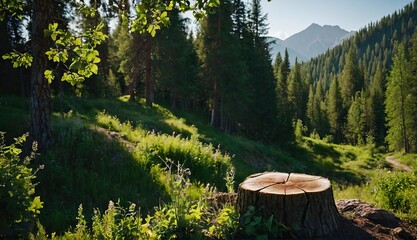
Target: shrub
{"points": [[225, 224], [18, 205], [391, 190], [258, 227], [299, 129]]}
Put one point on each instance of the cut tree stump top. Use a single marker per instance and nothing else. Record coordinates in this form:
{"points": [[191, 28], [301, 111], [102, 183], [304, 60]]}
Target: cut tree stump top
{"points": [[304, 203], [285, 183]]}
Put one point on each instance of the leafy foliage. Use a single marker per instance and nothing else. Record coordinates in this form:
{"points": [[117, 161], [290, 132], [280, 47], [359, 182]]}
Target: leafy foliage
{"points": [[17, 187], [14, 7], [256, 226], [226, 224], [186, 217], [152, 14], [393, 188], [77, 52], [19, 59], [400, 102]]}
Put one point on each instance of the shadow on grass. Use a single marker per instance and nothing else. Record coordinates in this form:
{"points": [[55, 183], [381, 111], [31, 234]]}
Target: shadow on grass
{"points": [[154, 118], [324, 160], [252, 156], [86, 166]]}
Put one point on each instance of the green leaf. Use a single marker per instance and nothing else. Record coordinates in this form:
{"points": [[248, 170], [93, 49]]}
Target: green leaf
{"points": [[151, 29], [91, 56], [214, 3], [78, 41], [100, 26], [54, 26], [49, 75], [54, 35], [94, 68], [164, 18], [140, 9], [16, 151], [36, 205], [164, 14], [170, 6], [63, 56]]}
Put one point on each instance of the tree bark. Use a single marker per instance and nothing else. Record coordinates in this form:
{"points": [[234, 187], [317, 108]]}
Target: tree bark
{"points": [[304, 203], [148, 76], [40, 112]]}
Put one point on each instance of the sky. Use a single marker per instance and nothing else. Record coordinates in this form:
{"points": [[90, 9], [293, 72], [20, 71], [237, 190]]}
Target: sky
{"points": [[287, 17]]}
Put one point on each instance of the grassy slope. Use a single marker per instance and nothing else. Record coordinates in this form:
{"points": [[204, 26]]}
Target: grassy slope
{"points": [[88, 165]]}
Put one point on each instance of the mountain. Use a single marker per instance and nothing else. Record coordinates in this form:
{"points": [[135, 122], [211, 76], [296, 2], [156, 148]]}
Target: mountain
{"points": [[310, 42], [359, 67]]}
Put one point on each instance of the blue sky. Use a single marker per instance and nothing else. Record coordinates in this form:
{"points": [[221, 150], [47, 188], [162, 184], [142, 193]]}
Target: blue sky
{"points": [[287, 17]]}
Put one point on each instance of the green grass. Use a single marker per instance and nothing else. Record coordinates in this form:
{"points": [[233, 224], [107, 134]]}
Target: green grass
{"points": [[114, 149]]}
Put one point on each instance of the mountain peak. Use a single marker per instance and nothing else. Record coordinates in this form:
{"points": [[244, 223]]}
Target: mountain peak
{"points": [[312, 41], [336, 27], [314, 25]]}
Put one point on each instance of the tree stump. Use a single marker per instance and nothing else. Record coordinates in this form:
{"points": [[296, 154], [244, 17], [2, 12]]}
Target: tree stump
{"points": [[304, 203]]}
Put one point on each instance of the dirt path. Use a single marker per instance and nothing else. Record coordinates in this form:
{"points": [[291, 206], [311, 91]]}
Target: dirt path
{"points": [[115, 135], [396, 164]]}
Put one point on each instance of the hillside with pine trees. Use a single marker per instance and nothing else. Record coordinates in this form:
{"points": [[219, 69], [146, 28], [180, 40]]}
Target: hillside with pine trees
{"points": [[348, 91], [117, 121]]}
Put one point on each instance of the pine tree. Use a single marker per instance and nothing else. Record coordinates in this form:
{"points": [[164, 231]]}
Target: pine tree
{"points": [[350, 79], [412, 97], [295, 92], [356, 121], [41, 109], [239, 19], [176, 65], [316, 110], [310, 109], [225, 70], [282, 80], [277, 65], [334, 107], [284, 110], [262, 82], [112, 87], [127, 56], [396, 103], [320, 110], [377, 99]]}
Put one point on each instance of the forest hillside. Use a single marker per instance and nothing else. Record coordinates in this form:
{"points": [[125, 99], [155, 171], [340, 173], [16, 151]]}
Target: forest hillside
{"points": [[135, 132]]}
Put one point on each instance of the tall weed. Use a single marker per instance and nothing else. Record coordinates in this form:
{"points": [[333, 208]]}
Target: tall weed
{"points": [[395, 190]]}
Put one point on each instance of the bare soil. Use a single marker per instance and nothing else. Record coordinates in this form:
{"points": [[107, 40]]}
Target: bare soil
{"points": [[394, 162]]}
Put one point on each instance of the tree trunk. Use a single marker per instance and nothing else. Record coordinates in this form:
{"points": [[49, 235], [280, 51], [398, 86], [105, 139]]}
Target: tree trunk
{"points": [[132, 89], [148, 83], [40, 112], [304, 203], [214, 104]]}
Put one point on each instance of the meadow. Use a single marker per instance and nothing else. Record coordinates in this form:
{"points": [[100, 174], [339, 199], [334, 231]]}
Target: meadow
{"points": [[120, 168]]}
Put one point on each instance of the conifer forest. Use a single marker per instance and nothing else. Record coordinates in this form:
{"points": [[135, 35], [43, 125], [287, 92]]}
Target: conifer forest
{"points": [[126, 119]]}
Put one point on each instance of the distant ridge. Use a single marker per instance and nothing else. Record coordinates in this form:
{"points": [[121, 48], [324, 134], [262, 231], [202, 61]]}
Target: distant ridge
{"points": [[311, 42]]}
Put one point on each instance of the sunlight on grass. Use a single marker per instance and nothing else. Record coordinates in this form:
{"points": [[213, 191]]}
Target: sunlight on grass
{"points": [[113, 149], [408, 159]]}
